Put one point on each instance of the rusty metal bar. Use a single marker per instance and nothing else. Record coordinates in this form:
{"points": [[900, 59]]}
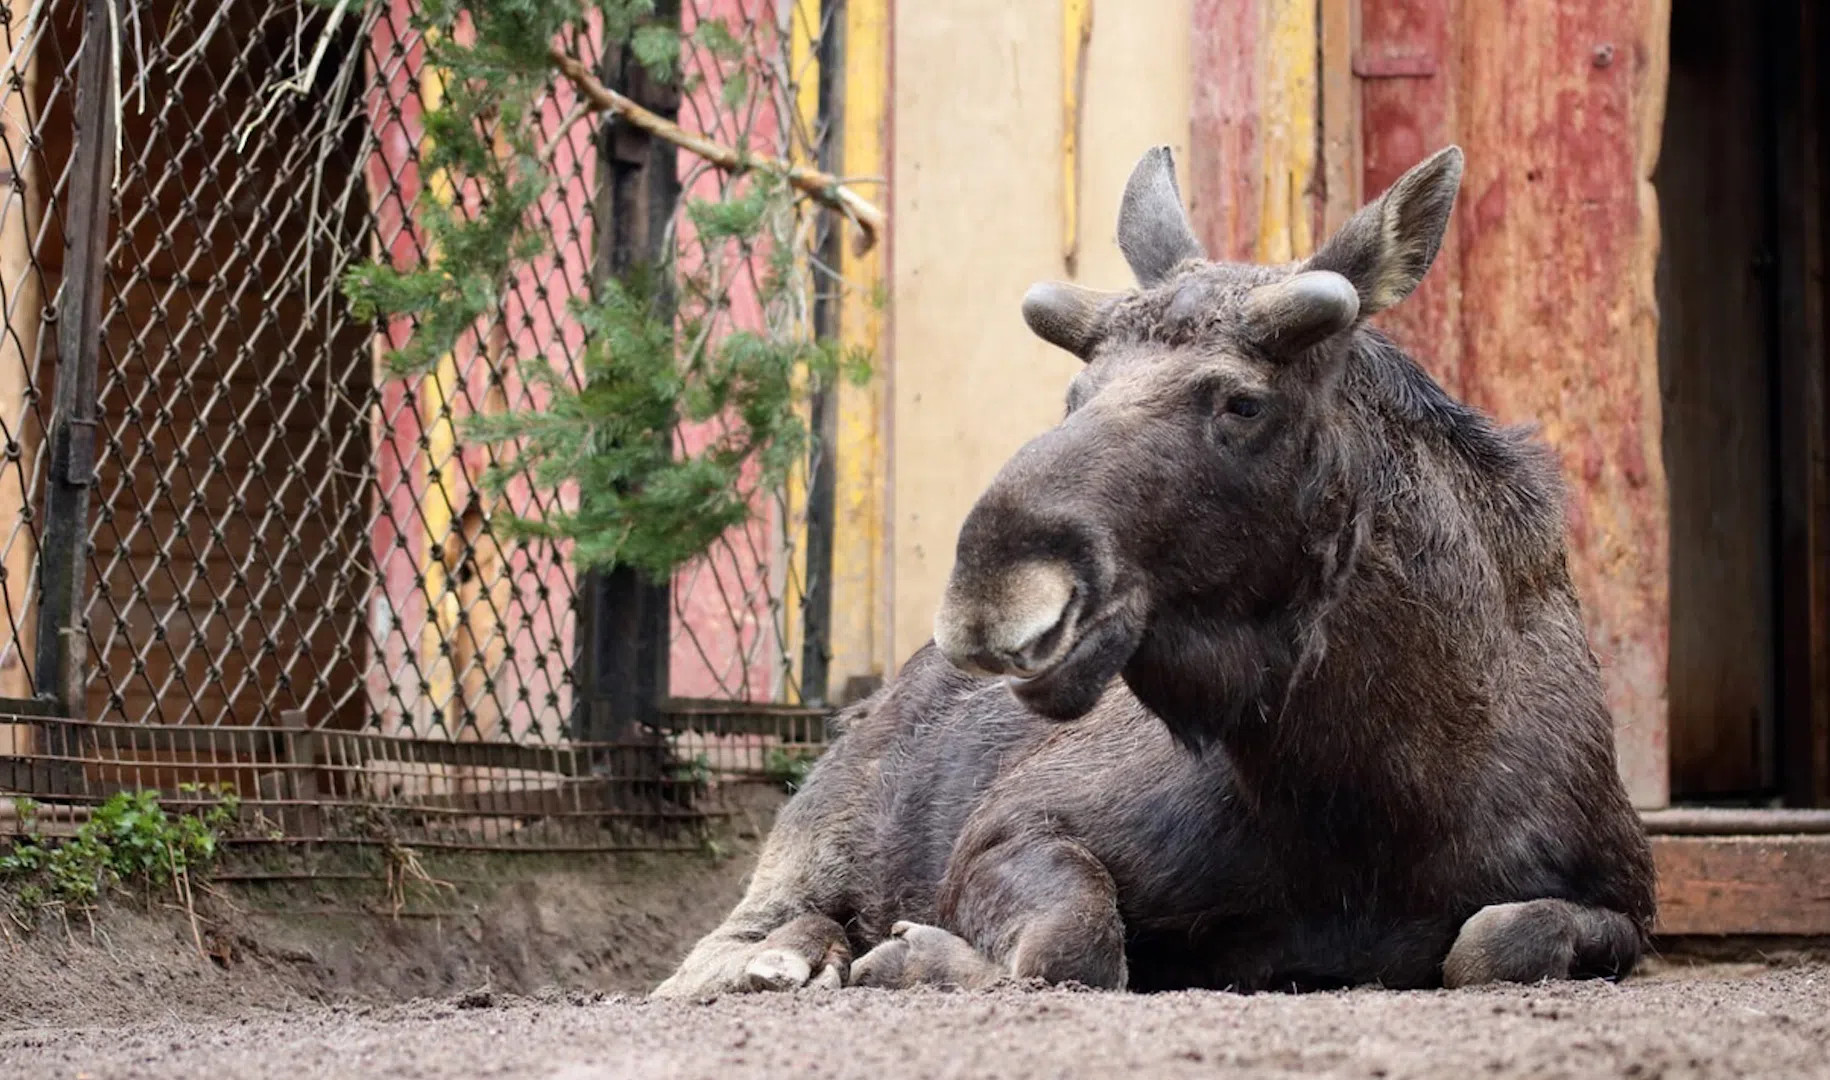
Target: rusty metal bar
{"points": [[823, 413]]}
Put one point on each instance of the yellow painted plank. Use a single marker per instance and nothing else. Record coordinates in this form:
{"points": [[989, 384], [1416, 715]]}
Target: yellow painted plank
{"points": [[1076, 35], [1290, 44], [804, 63], [860, 573], [435, 467], [804, 55]]}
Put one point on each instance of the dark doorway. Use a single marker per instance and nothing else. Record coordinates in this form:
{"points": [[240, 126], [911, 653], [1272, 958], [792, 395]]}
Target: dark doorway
{"points": [[1742, 379]]}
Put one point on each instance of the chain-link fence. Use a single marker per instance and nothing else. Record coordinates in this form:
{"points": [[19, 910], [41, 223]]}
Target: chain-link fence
{"points": [[235, 549]]}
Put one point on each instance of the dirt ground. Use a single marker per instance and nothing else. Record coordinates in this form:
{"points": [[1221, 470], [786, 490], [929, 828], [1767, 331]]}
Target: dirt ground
{"points": [[276, 931], [539, 971], [1720, 1023]]}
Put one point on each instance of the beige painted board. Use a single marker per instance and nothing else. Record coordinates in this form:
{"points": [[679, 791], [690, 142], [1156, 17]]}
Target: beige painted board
{"points": [[976, 200]]}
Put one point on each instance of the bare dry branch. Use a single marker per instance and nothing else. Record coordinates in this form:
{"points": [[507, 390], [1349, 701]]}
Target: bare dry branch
{"points": [[181, 887], [577, 112], [822, 187], [300, 83]]}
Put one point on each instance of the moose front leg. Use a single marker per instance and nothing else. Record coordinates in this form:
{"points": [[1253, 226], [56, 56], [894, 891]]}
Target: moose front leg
{"points": [[807, 950], [1029, 907], [782, 935]]}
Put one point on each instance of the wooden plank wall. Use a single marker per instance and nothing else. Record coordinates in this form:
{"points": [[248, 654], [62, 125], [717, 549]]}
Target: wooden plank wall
{"points": [[1540, 307]]}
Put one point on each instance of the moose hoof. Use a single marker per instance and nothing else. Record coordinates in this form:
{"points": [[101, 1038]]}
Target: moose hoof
{"points": [[1523, 942], [777, 969], [915, 954]]}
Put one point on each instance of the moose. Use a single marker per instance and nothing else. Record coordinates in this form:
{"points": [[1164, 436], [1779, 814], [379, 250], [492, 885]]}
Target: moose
{"points": [[1262, 670]]}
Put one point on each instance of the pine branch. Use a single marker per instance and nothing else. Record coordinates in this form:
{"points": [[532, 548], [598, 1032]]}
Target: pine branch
{"points": [[822, 187]]}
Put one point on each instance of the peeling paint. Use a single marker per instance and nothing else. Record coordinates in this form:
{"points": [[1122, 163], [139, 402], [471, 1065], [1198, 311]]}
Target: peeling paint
{"points": [[1540, 307]]}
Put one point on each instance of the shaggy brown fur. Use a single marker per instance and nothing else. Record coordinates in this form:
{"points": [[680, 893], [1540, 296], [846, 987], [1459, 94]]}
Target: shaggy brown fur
{"points": [[1262, 670]]}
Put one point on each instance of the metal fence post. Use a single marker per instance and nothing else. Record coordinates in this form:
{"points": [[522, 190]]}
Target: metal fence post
{"points": [[623, 619], [65, 542], [823, 418]]}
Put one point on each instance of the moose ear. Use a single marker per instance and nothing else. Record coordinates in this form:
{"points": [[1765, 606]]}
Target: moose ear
{"points": [[1385, 249], [1067, 315], [1153, 229]]}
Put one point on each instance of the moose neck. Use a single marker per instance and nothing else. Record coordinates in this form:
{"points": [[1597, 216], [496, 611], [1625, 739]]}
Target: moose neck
{"points": [[1349, 711], [1385, 652]]}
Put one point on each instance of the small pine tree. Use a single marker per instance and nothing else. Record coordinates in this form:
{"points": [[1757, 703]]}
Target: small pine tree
{"points": [[660, 348]]}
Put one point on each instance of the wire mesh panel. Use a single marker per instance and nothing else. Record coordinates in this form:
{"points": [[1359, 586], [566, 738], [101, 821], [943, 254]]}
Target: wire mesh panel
{"points": [[472, 638], [285, 535], [234, 472], [295, 784], [36, 119], [739, 628]]}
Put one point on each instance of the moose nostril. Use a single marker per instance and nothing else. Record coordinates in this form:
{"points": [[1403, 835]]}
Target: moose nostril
{"points": [[1010, 623], [1036, 648]]}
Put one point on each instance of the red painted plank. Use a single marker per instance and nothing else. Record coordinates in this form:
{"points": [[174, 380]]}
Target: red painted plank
{"points": [[1559, 107], [1223, 151], [1407, 80], [1540, 307]]}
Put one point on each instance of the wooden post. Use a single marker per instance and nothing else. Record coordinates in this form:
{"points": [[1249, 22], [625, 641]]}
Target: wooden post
{"points": [[623, 619], [61, 644], [822, 469], [302, 745]]}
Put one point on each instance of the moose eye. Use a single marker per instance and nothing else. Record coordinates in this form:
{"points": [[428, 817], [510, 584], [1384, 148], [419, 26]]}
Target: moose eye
{"points": [[1243, 406]]}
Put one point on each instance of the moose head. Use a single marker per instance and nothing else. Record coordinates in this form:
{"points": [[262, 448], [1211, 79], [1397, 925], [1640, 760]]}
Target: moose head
{"points": [[1195, 491]]}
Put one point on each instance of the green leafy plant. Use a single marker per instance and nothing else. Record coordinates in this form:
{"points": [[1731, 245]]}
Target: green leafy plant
{"points": [[789, 768], [663, 348], [129, 840]]}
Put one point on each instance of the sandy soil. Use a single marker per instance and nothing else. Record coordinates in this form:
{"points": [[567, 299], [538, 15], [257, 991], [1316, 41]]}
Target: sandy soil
{"points": [[513, 923], [1717, 1023], [285, 987]]}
